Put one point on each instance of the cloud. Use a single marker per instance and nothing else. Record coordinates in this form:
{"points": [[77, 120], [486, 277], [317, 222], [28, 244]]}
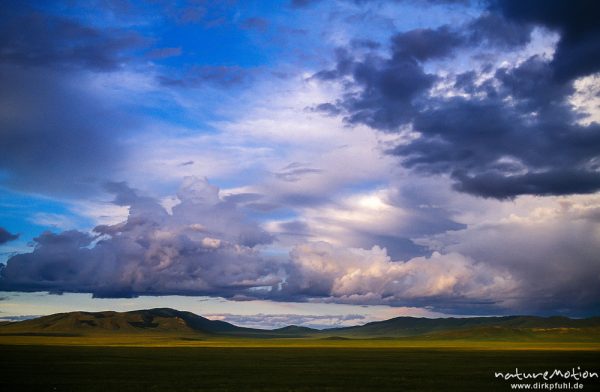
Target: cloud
{"points": [[303, 3], [304, 158], [387, 92], [19, 318], [47, 149], [57, 221], [217, 13], [390, 217], [518, 138], [499, 129], [78, 94], [295, 171], [273, 321], [510, 260], [221, 76], [426, 44], [161, 53], [35, 39], [578, 51], [6, 236], [258, 24], [204, 246], [62, 130], [369, 276], [482, 104], [549, 245], [536, 255]]}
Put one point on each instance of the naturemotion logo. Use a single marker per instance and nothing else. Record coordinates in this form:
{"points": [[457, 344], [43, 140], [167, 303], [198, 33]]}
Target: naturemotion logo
{"points": [[573, 374]]}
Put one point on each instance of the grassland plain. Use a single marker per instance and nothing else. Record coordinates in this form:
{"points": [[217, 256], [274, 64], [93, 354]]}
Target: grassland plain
{"points": [[169, 350], [278, 365]]}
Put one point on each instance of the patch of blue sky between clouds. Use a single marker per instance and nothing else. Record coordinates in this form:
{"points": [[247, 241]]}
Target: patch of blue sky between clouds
{"points": [[29, 215]]}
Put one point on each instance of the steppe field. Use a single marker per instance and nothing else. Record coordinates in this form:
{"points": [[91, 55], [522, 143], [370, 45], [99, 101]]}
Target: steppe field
{"points": [[38, 363]]}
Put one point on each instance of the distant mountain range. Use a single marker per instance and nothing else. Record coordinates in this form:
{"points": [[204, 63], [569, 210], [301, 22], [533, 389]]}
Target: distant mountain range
{"points": [[174, 322]]}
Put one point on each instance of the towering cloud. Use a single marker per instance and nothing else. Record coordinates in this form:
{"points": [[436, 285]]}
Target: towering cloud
{"points": [[205, 246]]}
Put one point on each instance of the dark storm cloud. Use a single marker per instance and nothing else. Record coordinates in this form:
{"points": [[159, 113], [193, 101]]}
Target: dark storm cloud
{"points": [[549, 183], [494, 30], [578, 51], [425, 44], [364, 43], [6, 236], [62, 129], [56, 132], [326, 108], [497, 149], [509, 134], [429, 44], [31, 38], [391, 89], [307, 3]]}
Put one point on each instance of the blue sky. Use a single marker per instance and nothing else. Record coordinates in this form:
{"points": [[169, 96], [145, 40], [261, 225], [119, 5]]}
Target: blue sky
{"points": [[328, 162]]}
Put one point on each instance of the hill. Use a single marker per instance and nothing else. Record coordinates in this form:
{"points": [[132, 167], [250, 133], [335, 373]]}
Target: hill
{"points": [[166, 321], [500, 328], [162, 320]]}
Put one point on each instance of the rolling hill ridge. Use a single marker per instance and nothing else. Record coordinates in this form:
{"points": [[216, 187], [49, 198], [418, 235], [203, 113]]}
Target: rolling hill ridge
{"points": [[161, 320], [166, 321]]}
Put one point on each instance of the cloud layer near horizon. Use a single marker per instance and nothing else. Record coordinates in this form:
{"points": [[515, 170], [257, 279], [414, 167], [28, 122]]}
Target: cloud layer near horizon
{"points": [[206, 246]]}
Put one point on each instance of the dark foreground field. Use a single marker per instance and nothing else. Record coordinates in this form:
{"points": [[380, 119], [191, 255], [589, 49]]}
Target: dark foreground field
{"points": [[72, 368]]}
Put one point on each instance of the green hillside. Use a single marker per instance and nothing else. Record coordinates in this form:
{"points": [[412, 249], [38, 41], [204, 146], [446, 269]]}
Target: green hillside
{"points": [[162, 320], [520, 327], [166, 321]]}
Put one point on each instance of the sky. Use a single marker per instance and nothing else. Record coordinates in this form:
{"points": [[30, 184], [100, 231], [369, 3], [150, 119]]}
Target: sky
{"points": [[319, 163]]}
